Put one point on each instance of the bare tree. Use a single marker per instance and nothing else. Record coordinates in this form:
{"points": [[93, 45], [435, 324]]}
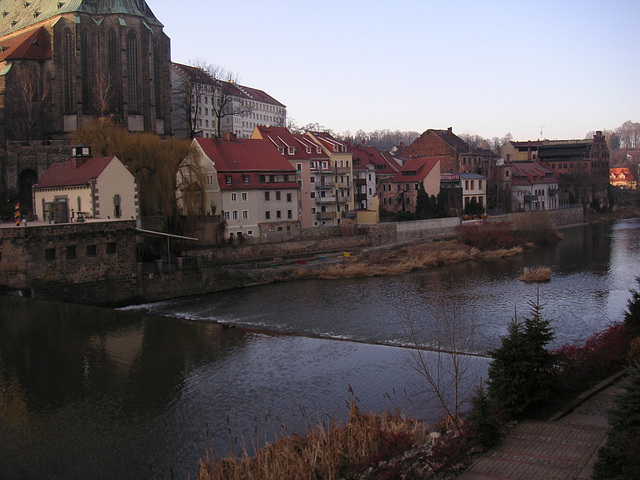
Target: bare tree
{"points": [[190, 181], [448, 364], [230, 100], [102, 94], [193, 82], [32, 93]]}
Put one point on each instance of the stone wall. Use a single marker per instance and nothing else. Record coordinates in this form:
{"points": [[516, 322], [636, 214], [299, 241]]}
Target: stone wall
{"points": [[436, 227], [71, 262], [554, 218]]}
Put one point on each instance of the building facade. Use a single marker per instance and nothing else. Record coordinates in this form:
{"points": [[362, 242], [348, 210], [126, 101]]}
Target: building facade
{"points": [[86, 188], [65, 62], [400, 193], [246, 181], [204, 105]]}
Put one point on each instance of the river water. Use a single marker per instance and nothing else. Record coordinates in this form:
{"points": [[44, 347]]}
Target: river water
{"points": [[146, 391]]}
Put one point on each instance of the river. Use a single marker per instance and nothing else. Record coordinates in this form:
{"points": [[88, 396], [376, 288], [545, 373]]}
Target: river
{"points": [[144, 392]]}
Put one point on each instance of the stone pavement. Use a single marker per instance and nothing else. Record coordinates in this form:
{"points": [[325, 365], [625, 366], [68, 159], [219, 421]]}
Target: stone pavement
{"points": [[564, 447]]}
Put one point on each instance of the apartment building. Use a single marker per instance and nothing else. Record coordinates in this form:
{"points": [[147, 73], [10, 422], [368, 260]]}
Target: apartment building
{"points": [[246, 181]]}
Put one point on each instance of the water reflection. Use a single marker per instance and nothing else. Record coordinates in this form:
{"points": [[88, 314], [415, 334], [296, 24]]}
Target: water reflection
{"points": [[88, 392]]}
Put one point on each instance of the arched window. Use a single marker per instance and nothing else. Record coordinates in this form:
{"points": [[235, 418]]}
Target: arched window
{"points": [[157, 82], [85, 72], [67, 53], [113, 71], [132, 71]]}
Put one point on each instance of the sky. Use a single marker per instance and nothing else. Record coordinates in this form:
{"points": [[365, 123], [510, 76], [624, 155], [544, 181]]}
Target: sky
{"points": [[560, 67]]}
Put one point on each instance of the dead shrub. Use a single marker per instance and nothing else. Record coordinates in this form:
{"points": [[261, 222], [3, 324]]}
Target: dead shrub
{"points": [[487, 235]]}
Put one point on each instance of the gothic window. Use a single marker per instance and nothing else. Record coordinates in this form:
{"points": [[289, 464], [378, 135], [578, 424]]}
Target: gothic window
{"points": [[68, 70], [84, 72], [133, 74], [113, 70], [157, 64]]}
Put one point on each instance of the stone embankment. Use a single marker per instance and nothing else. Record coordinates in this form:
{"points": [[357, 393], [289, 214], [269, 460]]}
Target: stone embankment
{"points": [[97, 262]]}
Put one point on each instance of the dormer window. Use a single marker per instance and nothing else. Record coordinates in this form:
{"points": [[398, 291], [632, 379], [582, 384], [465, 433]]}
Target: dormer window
{"points": [[281, 150], [308, 150], [292, 150], [227, 178]]}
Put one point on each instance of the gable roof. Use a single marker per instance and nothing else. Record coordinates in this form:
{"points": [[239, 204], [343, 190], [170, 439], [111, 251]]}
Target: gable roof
{"points": [[367, 155], [64, 175], [31, 45], [422, 145], [20, 14], [194, 74], [415, 170], [303, 147], [256, 155], [258, 95], [329, 142], [530, 173]]}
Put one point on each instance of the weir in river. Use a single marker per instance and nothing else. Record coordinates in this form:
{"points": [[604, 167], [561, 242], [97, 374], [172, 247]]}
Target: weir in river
{"points": [[145, 391]]}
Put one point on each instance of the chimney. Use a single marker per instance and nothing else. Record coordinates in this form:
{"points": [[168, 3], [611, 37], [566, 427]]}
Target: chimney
{"points": [[79, 155], [229, 137], [450, 130]]}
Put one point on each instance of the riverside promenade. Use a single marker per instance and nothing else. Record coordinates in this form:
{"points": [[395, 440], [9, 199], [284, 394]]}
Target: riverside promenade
{"points": [[563, 447]]}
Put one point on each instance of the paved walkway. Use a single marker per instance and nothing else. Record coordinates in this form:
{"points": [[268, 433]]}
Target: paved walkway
{"points": [[564, 447]]}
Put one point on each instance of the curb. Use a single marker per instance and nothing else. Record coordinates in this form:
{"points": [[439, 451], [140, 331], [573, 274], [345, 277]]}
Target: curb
{"points": [[584, 395]]}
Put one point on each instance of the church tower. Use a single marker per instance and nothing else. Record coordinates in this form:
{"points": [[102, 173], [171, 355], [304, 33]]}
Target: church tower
{"points": [[65, 61]]}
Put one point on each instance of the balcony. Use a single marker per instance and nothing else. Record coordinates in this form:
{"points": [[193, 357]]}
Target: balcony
{"points": [[358, 182], [349, 214], [342, 170], [325, 200], [324, 185], [360, 197], [530, 198], [325, 215]]}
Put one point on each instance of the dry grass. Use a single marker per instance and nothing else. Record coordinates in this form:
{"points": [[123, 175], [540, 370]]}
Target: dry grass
{"points": [[540, 274], [327, 452], [399, 262]]}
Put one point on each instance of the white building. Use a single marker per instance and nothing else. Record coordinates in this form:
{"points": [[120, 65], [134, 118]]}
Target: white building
{"points": [[251, 106], [85, 187], [533, 187]]}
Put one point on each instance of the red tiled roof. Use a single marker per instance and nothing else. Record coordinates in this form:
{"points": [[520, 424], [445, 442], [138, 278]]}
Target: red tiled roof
{"points": [[259, 95], [195, 74], [32, 45], [623, 174], [530, 173], [281, 137], [421, 167], [252, 157], [64, 175], [363, 156]]}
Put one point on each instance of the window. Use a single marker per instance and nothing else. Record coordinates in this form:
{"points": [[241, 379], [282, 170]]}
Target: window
{"points": [[92, 251], [313, 194], [244, 196], [278, 214], [288, 197], [210, 179], [226, 215], [227, 178], [278, 195], [266, 196], [234, 215], [313, 179], [234, 197], [289, 214], [111, 248], [49, 254], [132, 72], [245, 178], [245, 214], [267, 214], [71, 252]]}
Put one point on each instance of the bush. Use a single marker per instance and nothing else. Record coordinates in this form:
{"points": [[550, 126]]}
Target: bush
{"points": [[632, 315], [619, 459], [579, 367], [536, 228], [520, 373], [484, 423], [487, 235]]}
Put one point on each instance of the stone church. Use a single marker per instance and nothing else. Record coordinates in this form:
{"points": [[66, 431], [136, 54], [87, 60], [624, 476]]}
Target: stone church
{"points": [[64, 61]]}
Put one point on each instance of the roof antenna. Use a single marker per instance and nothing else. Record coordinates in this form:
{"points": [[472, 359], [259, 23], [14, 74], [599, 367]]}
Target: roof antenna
{"points": [[541, 127]]}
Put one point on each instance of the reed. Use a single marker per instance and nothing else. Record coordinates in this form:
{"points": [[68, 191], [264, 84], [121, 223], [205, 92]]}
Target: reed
{"points": [[332, 451], [540, 274]]}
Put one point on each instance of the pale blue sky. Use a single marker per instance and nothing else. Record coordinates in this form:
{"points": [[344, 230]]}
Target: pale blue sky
{"points": [[481, 67]]}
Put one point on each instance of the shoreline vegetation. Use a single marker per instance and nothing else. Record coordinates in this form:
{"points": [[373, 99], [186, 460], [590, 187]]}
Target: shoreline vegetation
{"points": [[388, 445]]}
